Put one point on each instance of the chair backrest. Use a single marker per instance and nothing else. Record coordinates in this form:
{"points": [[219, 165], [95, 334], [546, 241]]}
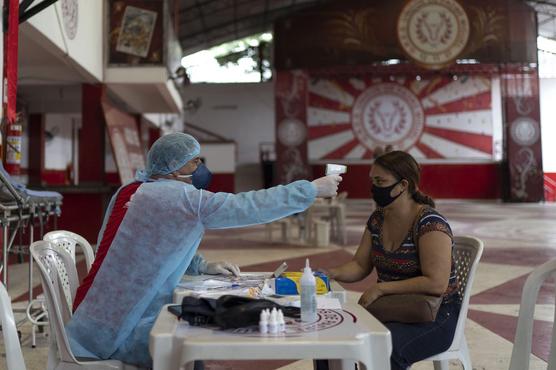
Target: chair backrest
{"points": [[14, 357], [59, 283], [69, 240], [467, 253], [521, 352]]}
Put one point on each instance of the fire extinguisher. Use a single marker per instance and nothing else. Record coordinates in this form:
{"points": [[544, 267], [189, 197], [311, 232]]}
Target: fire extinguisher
{"points": [[13, 148]]}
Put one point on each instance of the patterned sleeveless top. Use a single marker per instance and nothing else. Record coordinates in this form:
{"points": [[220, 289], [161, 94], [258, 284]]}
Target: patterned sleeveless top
{"points": [[403, 263]]}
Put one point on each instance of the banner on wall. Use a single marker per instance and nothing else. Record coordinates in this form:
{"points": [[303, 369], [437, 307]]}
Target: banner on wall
{"points": [[291, 126], [523, 144], [126, 144], [437, 118], [430, 33]]}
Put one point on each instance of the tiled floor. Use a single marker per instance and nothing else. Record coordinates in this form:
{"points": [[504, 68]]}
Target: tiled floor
{"points": [[517, 238]]}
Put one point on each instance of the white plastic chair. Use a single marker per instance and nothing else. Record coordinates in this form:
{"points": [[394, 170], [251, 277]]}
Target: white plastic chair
{"points": [[69, 240], [14, 357], [57, 275], [468, 251], [284, 224], [521, 352]]}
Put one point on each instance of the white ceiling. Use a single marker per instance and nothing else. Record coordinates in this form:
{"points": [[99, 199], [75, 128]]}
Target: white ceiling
{"points": [[39, 64], [546, 17]]}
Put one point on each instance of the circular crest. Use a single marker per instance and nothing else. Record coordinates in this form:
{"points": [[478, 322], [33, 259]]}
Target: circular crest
{"points": [[70, 13], [291, 132], [433, 32], [388, 113], [525, 131]]}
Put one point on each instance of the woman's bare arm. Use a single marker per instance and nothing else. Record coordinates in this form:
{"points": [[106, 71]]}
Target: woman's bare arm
{"points": [[359, 267]]}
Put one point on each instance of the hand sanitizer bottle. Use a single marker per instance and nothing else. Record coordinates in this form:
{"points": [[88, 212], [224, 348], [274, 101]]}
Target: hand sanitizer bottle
{"points": [[281, 321], [273, 324], [308, 295], [263, 323]]}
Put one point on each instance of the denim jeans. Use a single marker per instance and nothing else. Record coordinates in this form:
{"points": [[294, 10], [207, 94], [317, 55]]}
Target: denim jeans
{"points": [[415, 342]]}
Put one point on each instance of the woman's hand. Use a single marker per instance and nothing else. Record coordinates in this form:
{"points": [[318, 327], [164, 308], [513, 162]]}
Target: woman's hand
{"points": [[371, 295]]}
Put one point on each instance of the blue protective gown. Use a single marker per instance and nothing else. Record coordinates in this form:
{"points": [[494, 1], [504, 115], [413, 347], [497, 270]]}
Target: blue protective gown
{"points": [[155, 244]]}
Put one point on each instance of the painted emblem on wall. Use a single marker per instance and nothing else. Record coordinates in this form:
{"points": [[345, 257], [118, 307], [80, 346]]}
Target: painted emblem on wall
{"points": [[70, 14], [525, 167], [437, 118], [388, 114], [291, 132], [291, 129], [525, 131], [433, 32]]}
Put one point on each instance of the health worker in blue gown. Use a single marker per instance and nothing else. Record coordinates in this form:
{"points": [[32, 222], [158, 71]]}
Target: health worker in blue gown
{"points": [[165, 214]]}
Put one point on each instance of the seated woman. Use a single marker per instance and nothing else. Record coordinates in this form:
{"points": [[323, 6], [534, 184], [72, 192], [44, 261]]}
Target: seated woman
{"points": [[388, 244]]}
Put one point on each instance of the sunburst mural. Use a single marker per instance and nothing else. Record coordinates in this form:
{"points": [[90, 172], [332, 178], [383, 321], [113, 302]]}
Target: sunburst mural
{"points": [[438, 118]]}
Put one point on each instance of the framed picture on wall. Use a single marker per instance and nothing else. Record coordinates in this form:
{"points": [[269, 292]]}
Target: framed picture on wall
{"points": [[136, 31]]}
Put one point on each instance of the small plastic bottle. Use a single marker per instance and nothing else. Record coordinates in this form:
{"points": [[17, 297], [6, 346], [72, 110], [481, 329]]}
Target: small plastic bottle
{"points": [[308, 295], [273, 322], [281, 322], [263, 322]]}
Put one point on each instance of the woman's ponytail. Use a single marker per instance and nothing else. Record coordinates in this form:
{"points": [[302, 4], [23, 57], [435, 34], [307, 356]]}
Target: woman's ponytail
{"points": [[423, 198]]}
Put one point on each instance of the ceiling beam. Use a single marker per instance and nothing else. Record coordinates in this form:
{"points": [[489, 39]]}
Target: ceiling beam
{"points": [[549, 19], [192, 46], [202, 18], [271, 15], [217, 11], [190, 8]]}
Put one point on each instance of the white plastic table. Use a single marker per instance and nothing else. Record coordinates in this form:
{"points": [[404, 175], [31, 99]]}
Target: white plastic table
{"points": [[342, 336]]}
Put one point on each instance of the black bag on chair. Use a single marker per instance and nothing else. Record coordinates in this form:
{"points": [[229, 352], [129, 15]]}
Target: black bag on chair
{"points": [[228, 311]]}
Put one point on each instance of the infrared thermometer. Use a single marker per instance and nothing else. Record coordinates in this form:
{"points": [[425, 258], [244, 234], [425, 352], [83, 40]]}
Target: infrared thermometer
{"points": [[335, 169]]}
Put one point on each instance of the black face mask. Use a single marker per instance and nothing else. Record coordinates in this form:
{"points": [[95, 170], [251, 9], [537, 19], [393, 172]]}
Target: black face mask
{"points": [[381, 195]]}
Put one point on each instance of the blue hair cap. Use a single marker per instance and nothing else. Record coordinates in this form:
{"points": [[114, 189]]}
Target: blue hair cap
{"points": [[168, 154]]}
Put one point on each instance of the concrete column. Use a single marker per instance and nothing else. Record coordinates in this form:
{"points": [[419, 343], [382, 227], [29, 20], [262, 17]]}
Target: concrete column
{"points": [[91, 136], [36, 148]]}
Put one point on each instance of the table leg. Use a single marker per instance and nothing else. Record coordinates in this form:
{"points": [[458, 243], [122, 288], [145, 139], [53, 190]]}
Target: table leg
{"points": [[341, 218], [5, 255], [31, 240], [333, 224], [368, 362], [342, 364], [308, 226], [338, 364]]}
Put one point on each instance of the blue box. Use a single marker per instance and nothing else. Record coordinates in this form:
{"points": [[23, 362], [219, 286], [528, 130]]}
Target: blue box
{"points": [[289, 283]]}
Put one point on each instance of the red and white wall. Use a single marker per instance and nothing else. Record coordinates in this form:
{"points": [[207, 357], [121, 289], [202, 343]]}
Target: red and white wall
{"points": [[245, 113], [436, 120], [451, 124]]}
